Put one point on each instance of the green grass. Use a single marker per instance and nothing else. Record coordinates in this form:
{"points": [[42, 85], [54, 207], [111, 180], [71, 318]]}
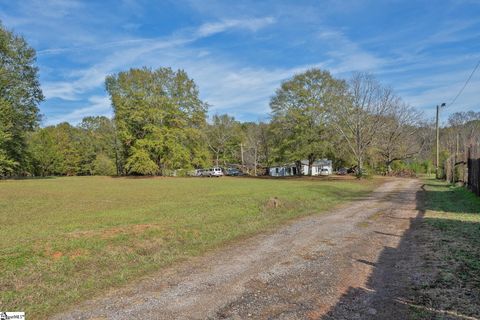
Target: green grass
{"points": [[455, 213], [66, 239], [450, 235]]}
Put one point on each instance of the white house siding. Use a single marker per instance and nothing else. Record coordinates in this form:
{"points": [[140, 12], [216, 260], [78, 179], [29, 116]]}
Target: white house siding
{"points": [[282, 171], [289, 170]]}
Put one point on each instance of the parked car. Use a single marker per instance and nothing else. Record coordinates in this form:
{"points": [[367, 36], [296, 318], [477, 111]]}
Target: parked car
{"points": [[233, 172], [213, 172], [342, 171], [324, 172], [198, 172]]}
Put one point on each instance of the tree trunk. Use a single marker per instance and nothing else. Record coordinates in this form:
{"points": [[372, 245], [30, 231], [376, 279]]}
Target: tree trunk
{"points": [[298, 164], [359, 167], [389, 167], [389, 164]]}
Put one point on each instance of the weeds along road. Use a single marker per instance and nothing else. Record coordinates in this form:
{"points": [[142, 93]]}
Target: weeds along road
{"points": [[345, 264]]}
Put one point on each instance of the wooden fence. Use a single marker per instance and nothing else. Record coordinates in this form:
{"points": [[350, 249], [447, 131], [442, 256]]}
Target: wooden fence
{"points": [[455, 169], [473, 163]]}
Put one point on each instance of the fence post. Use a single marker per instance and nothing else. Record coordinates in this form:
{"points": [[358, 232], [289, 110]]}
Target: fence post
{"points": [[473, 163]]}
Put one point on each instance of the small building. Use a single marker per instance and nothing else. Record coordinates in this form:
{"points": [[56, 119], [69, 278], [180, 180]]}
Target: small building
{"points": [[283, 170], [291, 169], [317, 167]]}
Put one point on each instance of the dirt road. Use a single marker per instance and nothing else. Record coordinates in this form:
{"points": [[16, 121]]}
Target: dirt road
{"points": [[351, 263]]}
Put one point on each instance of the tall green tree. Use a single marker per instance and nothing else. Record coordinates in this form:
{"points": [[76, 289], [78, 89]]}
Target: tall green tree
{"points": [[54, 150], [159, 119], [20, 95], [63, 149], [46, 155], [299, 116], [103, 152]]}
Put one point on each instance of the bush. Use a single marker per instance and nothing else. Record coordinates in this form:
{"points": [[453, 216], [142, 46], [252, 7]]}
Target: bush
{"points": [[103, 165]]}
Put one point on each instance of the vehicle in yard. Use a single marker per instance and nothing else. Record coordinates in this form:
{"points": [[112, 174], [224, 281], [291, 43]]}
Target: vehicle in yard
{"points": [[233, 172], [342, 171], [213, 172], [325, 172], [198, 172]]}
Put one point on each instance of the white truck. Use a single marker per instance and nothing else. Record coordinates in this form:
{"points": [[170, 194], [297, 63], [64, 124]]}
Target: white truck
{"points": [[213, 172]]}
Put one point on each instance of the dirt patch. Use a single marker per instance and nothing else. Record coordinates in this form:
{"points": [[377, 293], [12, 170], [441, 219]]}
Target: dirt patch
{"points": [[115, 231], [57, 255], [273, 203], [76, 254]]}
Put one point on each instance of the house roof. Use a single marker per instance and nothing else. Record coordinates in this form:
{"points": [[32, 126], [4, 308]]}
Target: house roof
{"points": [[319, 162]]}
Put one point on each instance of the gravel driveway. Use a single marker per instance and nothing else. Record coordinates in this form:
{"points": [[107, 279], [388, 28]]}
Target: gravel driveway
{"points": [[351, 263]]}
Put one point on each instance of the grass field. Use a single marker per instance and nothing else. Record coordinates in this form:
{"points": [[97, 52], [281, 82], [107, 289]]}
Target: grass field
{"points": [[65, 239], [450, 239]]}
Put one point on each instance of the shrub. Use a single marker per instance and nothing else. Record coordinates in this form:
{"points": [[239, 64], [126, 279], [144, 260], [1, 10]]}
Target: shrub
{"points": [[103, 165]]}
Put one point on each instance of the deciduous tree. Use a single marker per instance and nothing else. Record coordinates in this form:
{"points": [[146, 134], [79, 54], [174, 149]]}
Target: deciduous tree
{"points": [[299, 115], [360, 116], [159, 119], [399, 139], [223, 138], [20, 94]]}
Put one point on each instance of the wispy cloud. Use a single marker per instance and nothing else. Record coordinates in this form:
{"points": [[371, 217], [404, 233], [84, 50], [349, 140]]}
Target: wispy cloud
{"points": [[238, 53], [132, 53], [171, 51], [253, 24], [96, 106], [346, 55]]}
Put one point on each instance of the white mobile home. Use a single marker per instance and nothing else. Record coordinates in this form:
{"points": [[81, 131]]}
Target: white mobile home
{"points": [[319, 167], [283, 170]]}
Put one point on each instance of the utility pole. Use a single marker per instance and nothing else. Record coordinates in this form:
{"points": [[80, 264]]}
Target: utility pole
{"points": [[438, 140], [241, 152], [255, 162], [456, 159]]}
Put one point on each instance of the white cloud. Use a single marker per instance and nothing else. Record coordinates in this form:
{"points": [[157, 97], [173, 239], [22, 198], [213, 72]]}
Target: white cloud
{"points": [[225, 81], [132, 52], [98, 106], [346, 55], [239, 90], [253, 24]]}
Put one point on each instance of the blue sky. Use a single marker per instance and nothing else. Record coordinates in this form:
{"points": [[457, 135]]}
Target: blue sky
{"points": [[238, 52]]}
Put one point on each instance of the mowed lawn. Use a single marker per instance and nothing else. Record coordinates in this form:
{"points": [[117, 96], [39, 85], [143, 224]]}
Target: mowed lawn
{"points": [[66, 239]]}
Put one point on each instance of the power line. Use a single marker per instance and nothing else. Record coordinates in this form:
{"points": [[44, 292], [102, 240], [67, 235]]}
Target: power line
{"points": [[466, 82]]}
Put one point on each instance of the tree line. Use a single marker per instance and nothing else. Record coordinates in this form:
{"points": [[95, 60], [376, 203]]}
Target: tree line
{"points": [[161, 126]]}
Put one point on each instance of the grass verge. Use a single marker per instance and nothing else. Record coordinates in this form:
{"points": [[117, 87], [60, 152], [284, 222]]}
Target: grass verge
{"points": [[66, 239], [450, 240]]}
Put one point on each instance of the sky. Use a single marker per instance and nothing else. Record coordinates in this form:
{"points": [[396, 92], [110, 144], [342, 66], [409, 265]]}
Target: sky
{"points": [[239, 52]]}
